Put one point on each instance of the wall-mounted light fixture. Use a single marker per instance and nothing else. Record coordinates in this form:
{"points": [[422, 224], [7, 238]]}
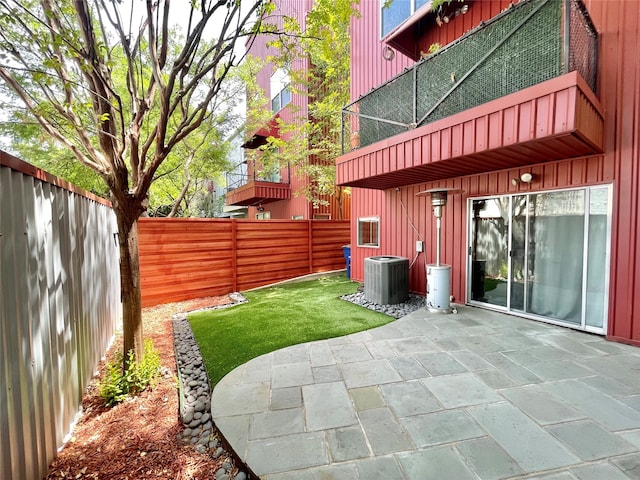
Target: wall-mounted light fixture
{"points": [[388, 53], [524, 178]]}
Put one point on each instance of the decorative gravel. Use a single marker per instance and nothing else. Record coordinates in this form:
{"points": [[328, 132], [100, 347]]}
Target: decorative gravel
{"points": [[195, 397], [413, 303]]}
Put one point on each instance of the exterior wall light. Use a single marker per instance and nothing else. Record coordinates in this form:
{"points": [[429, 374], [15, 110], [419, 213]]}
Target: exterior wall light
{"points": [[524, 178]]}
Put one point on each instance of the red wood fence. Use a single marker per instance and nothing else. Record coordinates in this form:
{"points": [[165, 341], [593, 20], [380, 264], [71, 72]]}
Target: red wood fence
{"points": [[189, 258]]}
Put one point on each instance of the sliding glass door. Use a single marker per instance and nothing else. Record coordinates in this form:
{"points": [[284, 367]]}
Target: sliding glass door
{"points": [[543, 255]]}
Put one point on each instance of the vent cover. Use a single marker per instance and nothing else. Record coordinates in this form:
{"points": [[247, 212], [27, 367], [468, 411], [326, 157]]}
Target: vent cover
{"points": [[386, 279]]}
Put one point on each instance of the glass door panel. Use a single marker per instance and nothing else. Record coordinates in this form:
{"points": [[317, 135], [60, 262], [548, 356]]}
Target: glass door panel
{"points": [[597, 257], [519, 272], [489, 250], [555, 254]]}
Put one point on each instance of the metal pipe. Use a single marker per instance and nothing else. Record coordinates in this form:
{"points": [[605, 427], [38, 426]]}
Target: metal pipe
{"points": [[438, 240]]}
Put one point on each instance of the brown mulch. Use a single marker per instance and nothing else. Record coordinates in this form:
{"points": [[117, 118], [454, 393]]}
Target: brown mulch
{"points": [[138, 439]]}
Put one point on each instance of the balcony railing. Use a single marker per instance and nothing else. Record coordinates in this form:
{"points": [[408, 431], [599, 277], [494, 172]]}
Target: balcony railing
{"points": [[239, 177], [529, 43]]}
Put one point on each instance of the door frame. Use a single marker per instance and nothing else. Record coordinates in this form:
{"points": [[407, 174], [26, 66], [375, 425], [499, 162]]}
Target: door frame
{"points": [[507, 309]]}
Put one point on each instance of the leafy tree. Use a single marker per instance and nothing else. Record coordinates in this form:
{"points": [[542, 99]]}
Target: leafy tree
{"points": [[63, 60], [312, 142]]}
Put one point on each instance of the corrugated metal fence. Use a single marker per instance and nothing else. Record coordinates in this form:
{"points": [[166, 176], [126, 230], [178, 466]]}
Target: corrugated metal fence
{"points": [[60, 290], [190, 258]]}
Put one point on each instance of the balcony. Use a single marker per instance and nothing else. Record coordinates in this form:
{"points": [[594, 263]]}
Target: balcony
{"points": [[257, 186], [516, 90]]}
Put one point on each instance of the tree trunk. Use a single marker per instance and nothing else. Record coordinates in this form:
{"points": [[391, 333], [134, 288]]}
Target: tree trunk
{"points": [[130, 285]]}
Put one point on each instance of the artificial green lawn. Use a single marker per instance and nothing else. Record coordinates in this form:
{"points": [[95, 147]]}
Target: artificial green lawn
{"points": [[277, 317]]}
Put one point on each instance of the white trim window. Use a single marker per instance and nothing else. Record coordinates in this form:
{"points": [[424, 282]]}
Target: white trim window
{"points": [[394, 12], [369, 232], [280, 90]]}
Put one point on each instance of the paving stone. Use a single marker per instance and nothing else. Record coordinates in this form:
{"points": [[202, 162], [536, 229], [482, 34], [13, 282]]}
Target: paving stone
{"points": [[496, 379], [327, 405], [409, 368], [320, 354], [459, 390], [598, 471], [379, 468], [470, 360], [288, 453], [541, 405], [329, 373], [348, 443], [351, 353], [366, 398], [606, 410], [527, 443], [610, 387], [487, 459], [441, 427], [384, 433], [590, 441], [409, 346], [276, 423], [437, 463], [381, 349], [372, 372], [293, 354], [289, 397], [560, 370], [440, 363], [516, 372], [291, 375], [629, 464], [226, 401], [409, 398]]}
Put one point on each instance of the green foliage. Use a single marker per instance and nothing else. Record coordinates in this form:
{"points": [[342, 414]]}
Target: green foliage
{"points": [[277, 317], [318, 63], [117, 385]]}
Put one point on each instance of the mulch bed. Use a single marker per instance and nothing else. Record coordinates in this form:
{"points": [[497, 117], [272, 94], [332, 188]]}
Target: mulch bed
{"points": [[138, 439]]}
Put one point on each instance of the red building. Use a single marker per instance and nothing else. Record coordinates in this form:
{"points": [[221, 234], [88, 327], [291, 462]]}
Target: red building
{"points": [[531, 113], [276, 193]]}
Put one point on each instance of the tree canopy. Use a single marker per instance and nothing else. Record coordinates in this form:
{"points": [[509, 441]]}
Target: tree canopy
{"points": [[104, 80]]}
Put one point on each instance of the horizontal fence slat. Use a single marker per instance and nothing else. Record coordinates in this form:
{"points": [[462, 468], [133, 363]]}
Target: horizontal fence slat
{"points": [[181, 259]]}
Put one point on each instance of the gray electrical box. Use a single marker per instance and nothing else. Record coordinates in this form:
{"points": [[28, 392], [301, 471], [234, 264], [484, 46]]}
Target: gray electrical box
{"points": [[386, 279]]}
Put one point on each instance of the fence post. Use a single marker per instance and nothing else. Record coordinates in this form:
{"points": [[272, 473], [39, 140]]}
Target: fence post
{"points": [[310, 236], [234, 253]]}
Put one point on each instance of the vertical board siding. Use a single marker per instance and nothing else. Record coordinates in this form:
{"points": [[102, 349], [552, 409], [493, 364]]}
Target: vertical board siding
{"points": [[182, 259], [618, 24], [60, 285]]}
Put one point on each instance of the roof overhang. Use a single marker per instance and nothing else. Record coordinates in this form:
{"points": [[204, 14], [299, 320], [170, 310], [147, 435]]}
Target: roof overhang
{"points": [[260, 136], [553, 120]]}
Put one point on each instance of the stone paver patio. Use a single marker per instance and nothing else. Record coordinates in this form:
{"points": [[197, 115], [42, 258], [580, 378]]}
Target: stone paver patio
{"points": [[477, 395]]}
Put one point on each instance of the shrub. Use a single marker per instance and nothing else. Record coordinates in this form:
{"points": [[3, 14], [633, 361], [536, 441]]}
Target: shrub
{"points": [[117, 386]]}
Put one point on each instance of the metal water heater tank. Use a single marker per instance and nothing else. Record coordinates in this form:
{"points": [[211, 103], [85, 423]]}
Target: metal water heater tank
{"points": [[438, 288]]}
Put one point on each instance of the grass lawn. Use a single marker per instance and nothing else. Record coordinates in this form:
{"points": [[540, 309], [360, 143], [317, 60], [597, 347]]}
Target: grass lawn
{"points": [[277, 317]]}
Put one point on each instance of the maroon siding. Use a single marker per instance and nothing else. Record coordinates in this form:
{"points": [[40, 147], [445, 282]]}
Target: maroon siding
{"points": [[618, 23]]}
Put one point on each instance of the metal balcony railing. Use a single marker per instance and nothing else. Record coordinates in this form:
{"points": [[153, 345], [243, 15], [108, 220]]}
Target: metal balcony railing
{"points": [[240, 177], [529, 43]]}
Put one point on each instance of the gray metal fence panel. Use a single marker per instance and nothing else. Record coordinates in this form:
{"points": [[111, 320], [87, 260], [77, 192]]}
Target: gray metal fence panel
{"points": [[60, 291]]}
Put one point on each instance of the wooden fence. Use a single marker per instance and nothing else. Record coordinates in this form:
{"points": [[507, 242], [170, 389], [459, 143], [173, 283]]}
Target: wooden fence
{"points": [[181, 259]]}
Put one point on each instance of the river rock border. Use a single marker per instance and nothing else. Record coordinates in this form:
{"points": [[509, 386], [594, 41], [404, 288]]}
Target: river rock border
{"points": [[195, 397]]}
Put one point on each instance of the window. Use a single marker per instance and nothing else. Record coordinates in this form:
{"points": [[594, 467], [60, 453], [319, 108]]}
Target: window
{"points": [[280, 91], [297, 217], [369, 232], [394, 12], [263, 216]]}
